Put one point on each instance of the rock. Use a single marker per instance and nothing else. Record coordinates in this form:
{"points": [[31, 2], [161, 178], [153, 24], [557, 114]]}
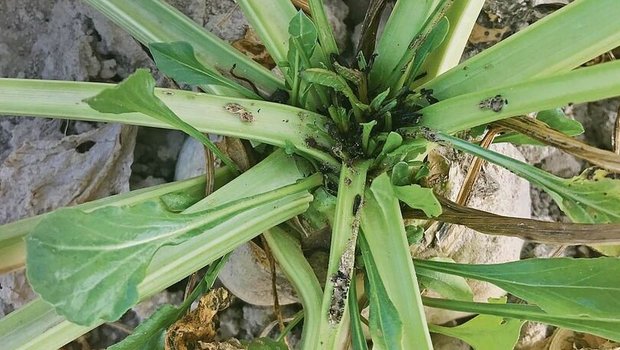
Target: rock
{"points": [[532, 334], [497, 191], [337, 11], [598, 119]]}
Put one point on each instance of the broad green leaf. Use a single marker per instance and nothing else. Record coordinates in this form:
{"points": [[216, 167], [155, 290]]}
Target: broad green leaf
{"points": [[432, 42], [579, 287], [88, 265], [330, 79], [592, 197], [605, 327], [447, 285], [418, 197], [555, 119], [178, 61], [385, 325], [485, 332], [383, 228], [137, 94]]}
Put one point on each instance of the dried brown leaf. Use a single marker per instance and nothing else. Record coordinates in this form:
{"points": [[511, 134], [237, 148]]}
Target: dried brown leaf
{"points": [[252, 47], [482, 34]]}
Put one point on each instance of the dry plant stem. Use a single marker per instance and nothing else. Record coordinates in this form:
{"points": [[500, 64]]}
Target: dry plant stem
{"points": [[541, 132], [302, 4], [274, 288], [534, 230], [474, 169]]}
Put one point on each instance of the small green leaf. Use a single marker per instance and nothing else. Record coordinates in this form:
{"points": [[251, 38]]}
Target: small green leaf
{"points": [[150, 333], [366, 131], [592, 197], [178, 61], [330, 79], [555, 119], [392, 142], [376, 102], [485, 332], [447, 285], [579, 287], [415, 234], [358, 340], [303, 33], [350, 74], [401, 174], [418, 197], [385, 324], [266, 344], [136, 94]]}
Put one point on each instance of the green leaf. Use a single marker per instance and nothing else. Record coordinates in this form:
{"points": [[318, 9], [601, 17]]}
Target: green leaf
{"points": [[376, 102], [368, 144], [330, 79], [447, 285], [605, 327], [392, 142], [485, 332], [358, 339], [89, 265], [401, 174], [353, 75], [178, 61], [555, 119], [303, 33], [266, 344], [418, 197], [432, 42], [592, 197], [383, 228], [414, 234], [579, 287], [150, 334], [137, 94], [385, 325]]}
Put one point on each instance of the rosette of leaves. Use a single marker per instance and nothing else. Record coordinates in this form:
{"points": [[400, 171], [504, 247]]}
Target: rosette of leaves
{"points": [[344, 142]]}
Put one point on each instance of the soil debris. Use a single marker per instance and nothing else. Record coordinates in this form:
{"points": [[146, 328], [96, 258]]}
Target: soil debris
{"points": [[237, 109]]}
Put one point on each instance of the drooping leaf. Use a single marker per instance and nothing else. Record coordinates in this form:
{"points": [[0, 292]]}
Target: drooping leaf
{"points": [[605, 327], [88, 265], [592, 197], [178, 61], [418, 197], [330, 79], [485, 332], [555, 119], [385, 324], [563, 286], [350, 74], [136, 94], [447, 285]]}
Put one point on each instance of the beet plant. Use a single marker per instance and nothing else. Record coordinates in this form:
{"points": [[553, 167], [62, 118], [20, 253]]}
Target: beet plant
{"points": [[345, 141]]}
